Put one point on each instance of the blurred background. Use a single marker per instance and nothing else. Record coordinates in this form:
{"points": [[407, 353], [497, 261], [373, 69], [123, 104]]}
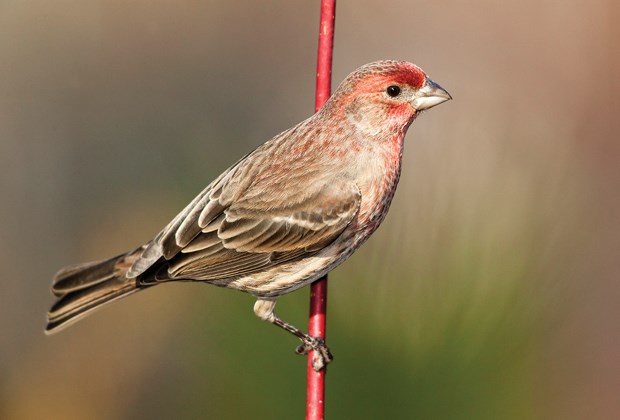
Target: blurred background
{"points": [[490, 292]]}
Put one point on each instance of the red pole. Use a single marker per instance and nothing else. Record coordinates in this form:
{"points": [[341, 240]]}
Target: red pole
{"points": [[326, 47], [315, 393]]}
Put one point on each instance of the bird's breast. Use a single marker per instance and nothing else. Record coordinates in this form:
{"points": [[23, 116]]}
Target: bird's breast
{"points": [[379, 173]]}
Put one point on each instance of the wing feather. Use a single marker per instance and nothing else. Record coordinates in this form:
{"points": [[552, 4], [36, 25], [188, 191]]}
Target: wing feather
{"points": [[249, 244]]}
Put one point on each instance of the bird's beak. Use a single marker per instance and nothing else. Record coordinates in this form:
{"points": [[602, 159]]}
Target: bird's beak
{"points": [[429, 95]]}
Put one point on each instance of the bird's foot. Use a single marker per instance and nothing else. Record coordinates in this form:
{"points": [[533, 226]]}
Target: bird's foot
{"points": [[321, 357]]}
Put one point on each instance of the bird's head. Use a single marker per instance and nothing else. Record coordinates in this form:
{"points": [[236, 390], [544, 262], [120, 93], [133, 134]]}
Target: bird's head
{"points": [[385, 96]]}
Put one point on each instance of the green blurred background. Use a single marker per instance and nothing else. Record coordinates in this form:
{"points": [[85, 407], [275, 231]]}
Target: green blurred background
{"points": [[490, 292]]}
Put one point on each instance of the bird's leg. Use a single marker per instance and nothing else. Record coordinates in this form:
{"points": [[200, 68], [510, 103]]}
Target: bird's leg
{"points": [[263, 308]]}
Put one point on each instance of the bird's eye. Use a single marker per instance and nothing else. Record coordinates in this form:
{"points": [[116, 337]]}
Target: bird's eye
{"points": [[393, 91]]}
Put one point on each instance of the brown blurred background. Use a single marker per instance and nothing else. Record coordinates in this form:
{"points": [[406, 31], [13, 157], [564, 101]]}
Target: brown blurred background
{"points": [[490, 292]]}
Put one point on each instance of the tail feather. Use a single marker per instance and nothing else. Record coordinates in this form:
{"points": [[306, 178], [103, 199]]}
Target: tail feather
{"points": [[80, 276], [85, 287]]}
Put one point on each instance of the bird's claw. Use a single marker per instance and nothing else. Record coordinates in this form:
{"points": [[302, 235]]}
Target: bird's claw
{"points": [[321, 357]]}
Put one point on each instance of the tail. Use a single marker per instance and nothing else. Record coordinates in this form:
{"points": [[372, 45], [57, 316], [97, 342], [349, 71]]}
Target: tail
{"points": [[82, 288]]}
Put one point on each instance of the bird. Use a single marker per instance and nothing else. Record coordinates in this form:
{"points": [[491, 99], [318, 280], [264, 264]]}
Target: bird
{"points": [[284, 215]]}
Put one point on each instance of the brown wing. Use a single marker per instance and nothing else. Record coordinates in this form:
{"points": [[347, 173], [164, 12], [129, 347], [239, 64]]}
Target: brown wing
{"points": [[246, 239]]}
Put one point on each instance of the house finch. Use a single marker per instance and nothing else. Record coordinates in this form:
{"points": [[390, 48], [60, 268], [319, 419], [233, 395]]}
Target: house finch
{"points": [[282, 216]]}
